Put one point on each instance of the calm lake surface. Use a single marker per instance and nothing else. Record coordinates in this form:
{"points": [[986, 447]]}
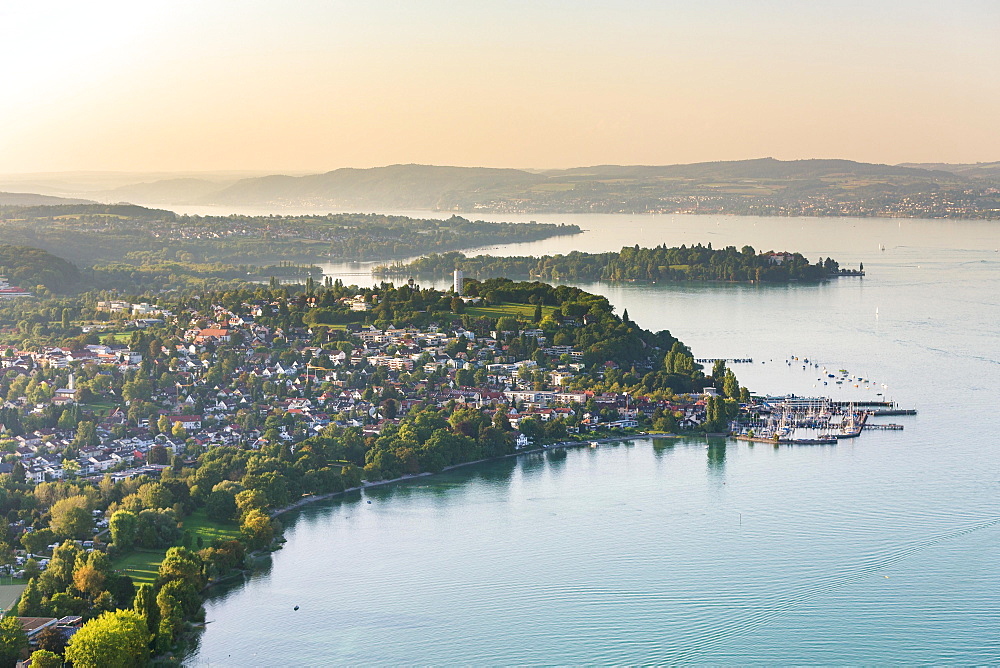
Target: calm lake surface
{"points": [[881, 550]]}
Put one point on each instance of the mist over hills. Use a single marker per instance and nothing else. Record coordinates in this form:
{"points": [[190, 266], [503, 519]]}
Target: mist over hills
{"points": [[763, 186], [395, 186], [984, 170]]}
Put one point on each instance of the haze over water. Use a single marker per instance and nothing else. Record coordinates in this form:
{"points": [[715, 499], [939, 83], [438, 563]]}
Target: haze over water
{"points": [[881, 550]]}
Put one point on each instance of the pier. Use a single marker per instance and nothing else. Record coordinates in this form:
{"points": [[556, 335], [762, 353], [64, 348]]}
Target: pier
{"points": [[728, 360], [864, 404], [885, 427]]}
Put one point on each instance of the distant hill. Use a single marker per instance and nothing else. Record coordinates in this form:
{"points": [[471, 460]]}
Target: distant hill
{"points": [[977, 170], [31, 199], [763, 186], [392, 187], [130, 211], [29, 267], [166, 191], [426, 186], [760, 168]]}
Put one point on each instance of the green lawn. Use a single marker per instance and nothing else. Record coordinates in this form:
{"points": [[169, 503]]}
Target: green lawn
{"points": [[101, 408], [142, 565], [525, 311], [199, 524]]}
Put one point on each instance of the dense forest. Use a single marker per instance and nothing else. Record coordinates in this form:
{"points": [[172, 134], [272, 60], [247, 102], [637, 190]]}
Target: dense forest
{"points": [[683, 263]]}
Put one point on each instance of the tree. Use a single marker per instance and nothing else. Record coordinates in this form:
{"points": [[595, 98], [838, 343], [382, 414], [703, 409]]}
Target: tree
{"points": [[731, 386], [70, 468], [36, 541], [718, 373], [59, 575], [88, 580], [63, 603], [124, 527], [30, 604], [50, 638], [251, 499], [258, 529], [71, 517], [531, 428], [12, 640], [157, 528], [145, 606], [221, 503], [171, 618], [86, 435], [155, 495], [181, 564], [158, 455], [184, 593], [116, 639], [32, 568], [43, 658]]}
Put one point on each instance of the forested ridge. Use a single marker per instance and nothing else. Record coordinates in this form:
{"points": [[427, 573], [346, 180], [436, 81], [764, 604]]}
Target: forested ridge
{"points": [[89, 234]]}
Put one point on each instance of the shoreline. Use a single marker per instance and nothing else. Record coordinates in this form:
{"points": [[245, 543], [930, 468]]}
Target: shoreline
{"points": [[306, 500]]}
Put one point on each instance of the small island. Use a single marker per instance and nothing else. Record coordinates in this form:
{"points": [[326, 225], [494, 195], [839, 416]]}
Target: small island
{"points": [[632, 263]]}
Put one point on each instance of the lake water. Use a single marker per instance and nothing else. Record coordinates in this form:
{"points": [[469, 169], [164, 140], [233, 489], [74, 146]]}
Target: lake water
{"points": [[881, 550]]}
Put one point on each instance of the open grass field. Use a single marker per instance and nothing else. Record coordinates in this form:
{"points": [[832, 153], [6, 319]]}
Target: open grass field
{"points": [[199, 524], [101, 408], [142, 565], [524, 311], [10, 593]]}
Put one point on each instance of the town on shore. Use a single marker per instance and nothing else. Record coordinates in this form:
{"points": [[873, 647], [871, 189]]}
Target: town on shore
{"points": [[150, 443]]}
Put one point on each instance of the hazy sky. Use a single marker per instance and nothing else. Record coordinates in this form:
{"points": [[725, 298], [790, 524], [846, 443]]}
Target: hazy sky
{"points": [[312, 85]]}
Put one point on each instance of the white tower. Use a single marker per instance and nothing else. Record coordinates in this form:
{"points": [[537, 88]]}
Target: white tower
{"points": [[459, 278]]}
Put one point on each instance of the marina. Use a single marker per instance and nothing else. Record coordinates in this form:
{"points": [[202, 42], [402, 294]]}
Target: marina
{"points": [[812, 420]]}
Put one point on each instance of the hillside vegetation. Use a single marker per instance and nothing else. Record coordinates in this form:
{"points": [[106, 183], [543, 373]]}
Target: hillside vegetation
{"points": [[30, 267]]}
